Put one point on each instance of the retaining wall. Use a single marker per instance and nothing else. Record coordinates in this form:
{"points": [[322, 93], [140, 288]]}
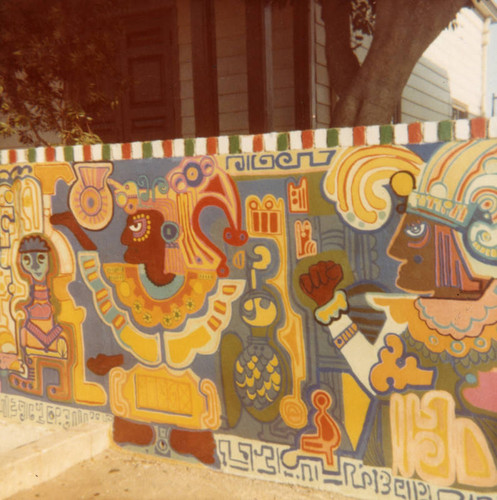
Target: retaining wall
{"points": [[314, 307]]}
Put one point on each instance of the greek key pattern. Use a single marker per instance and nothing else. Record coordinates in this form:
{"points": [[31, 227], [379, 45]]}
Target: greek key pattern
{"points": [[255, 459], [20, 409]]}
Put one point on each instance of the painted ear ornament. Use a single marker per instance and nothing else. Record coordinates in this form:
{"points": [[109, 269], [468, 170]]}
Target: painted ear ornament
{"points": [[170, 232], [90, 198]]}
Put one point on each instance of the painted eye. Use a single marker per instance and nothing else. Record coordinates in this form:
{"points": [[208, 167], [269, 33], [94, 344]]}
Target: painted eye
{"points": [[26, 260], [41, 258], [136, 227], [416, 230], [140, 227]]}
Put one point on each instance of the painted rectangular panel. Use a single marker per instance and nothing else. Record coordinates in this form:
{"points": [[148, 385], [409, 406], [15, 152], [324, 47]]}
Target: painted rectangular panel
{"points": [[323, 315]]}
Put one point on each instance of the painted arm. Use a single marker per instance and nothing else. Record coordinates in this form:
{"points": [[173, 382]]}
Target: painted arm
{"points": [[319, 284]]}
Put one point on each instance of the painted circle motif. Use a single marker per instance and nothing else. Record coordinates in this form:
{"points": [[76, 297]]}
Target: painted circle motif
{"points": [[433, 340], [193, 174], [321, 400], [480, 343], [91, 201], [457, 346], [9, 197], [170, 231]]}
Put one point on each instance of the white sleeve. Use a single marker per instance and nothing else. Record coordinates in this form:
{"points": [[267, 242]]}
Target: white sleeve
{"points": [[359, 353]]}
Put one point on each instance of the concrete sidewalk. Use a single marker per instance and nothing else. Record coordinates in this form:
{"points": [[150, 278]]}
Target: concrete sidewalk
{"points": [[47, 463], [31, 453], [119, 475]]}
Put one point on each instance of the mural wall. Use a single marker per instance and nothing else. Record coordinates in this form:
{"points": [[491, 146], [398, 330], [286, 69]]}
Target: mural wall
{"points": [[321, 316]]}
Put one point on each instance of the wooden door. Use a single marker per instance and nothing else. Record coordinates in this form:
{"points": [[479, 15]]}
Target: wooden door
{"points": [[150, 107]]}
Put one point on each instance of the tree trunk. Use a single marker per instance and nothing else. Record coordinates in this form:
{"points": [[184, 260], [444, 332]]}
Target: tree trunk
{"points": [[403, 31]]}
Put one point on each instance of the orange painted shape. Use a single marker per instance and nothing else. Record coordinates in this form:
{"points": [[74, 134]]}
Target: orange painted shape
{"points": [[415, 133], [327, 437], [12, 156], [214, 323], [89, 264], [118, 321], [478, 128], [167, 147], [126, 151], [211, 145], [359, 134], [220, 307], [307, 139], [50, 154], [258, 143], [102, 294], [87, 152]]}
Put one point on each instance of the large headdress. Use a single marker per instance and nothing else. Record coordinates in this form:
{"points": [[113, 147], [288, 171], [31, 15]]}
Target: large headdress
{"points": [[458, 188], [190, 187]]}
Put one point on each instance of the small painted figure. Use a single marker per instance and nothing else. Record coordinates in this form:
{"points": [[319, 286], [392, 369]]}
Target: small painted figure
{"points": [[44, 343]]}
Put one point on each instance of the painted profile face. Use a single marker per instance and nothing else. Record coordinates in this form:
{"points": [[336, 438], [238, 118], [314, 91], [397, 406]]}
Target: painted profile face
{"points": [[35, 264], [414, 246], [142, 236]]}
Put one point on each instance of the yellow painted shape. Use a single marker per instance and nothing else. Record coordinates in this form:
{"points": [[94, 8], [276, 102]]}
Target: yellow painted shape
{"points": [[423, 436], [356, 405], [164, 396], [293, 410], [144, 347], [212, 420], [238, 259], [50, 173], [6, 339], [263, 316], [202, 335], [180, 347], [265, 257], [475, 465], [402, 183]]}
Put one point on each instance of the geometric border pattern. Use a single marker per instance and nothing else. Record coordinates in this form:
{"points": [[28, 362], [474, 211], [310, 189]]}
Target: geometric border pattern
{"points": [[401, 133]]}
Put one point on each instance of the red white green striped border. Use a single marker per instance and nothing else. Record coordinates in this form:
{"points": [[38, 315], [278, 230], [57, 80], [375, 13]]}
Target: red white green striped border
{"points": [[402, 133]]}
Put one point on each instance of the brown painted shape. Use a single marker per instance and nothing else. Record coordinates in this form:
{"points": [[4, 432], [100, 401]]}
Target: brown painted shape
{"points": [[68, 220], [199, 444], [102, 364], [321, 280], [132, 432]]}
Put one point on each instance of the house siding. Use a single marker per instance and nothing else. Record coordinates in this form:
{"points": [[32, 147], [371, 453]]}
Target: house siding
{"points": [[185, 69], [283, 69], [232, 66], [322, 82], [450, 72]]}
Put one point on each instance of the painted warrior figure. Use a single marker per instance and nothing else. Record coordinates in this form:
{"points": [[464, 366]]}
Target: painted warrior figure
{"points": [[437, 345]]}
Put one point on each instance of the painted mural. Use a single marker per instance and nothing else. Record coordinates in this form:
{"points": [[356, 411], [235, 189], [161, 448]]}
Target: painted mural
{"points": [[326, 317]]}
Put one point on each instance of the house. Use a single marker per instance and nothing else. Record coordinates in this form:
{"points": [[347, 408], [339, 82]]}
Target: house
{"points": [[204, 68]]}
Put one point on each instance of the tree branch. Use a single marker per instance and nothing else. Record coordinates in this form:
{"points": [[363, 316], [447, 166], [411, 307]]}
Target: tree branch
{"points": [[402, 33], [342, 61], [27, 115]]}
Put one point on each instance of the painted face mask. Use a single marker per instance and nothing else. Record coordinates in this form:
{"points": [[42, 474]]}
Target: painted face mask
{"points": [[35, 264]]}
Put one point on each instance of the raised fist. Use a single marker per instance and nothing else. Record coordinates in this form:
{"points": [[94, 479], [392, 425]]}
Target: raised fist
{"points": [[321, 280]]}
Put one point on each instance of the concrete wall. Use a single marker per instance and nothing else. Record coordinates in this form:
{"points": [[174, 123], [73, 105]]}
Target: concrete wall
{"points": [[310, 307]]}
